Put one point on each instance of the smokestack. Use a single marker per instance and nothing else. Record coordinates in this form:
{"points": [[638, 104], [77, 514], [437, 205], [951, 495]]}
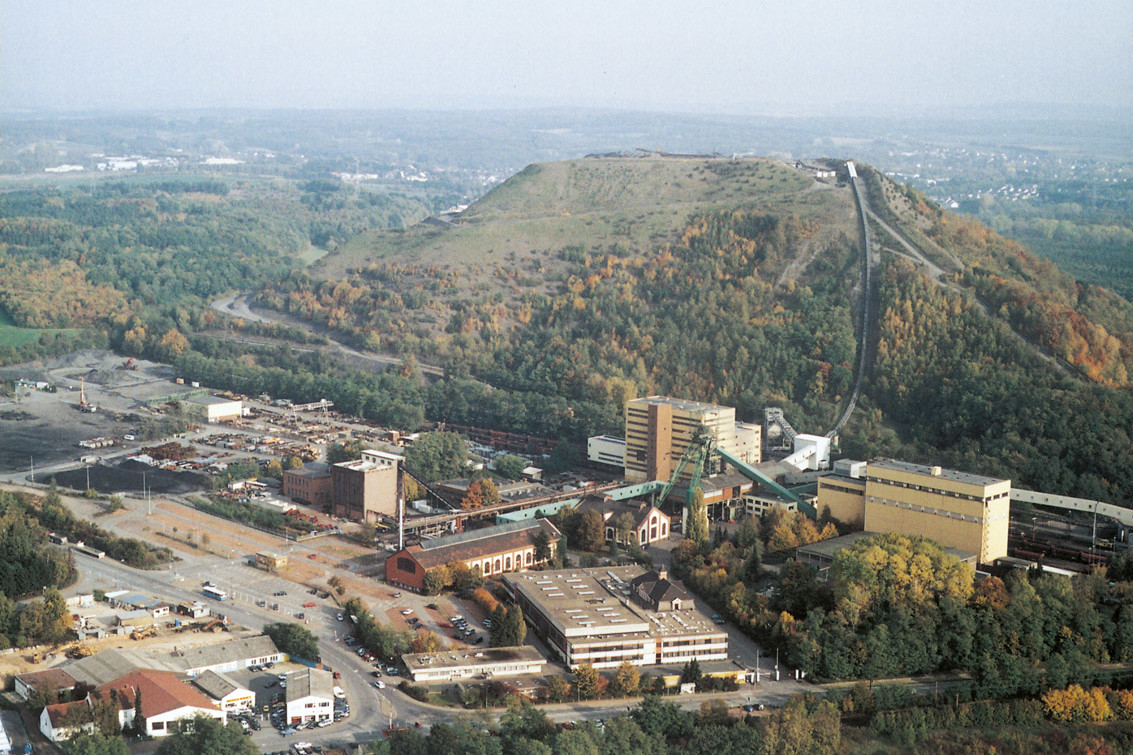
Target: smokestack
{"points": [[400, 506]]}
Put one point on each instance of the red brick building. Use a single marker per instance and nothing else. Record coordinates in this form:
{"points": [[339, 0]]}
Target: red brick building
{"points": [[310, 484], [489, 551]]}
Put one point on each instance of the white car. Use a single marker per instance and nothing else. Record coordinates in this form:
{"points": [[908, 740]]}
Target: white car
{"points": [[406, 611]]}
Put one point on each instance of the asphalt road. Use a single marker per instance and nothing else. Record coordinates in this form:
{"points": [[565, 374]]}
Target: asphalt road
{"points": [[371, 709]]}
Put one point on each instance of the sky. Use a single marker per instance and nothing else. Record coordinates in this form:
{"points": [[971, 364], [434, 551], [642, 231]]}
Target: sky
{"points": [[771, 57]]}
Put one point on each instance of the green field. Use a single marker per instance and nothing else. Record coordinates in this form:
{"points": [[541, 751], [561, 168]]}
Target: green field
{"points": [[15, 336]]}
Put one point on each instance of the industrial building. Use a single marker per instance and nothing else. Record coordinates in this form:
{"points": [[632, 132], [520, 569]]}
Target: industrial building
{"points": [[487, 663], [489, 551], [608, 616], [366, 490], [310, 484], [213, 408], [968, 512], [606, 449], [659, 430]]}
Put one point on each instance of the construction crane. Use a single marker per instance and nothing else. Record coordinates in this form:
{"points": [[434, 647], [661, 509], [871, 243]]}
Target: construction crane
{"points": [[700, 450]]}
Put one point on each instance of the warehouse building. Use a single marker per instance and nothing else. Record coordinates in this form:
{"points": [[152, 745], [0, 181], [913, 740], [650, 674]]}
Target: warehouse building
{"points": [[659, 430], [488, 551], [968, 512], [231, 655], [213, 408], [609, 616]]}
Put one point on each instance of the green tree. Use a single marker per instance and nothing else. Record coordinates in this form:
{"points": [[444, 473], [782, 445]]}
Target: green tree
{"points": [[697, 518], [542, 542], [691, 673], [206, 736], [346, 451], [586, 681], [591, 531], [626, 680], [95, 744], [575, 742], [437, 456], [623, 527], [558, 689], [436, 580], [510, 466], [294, 639]]}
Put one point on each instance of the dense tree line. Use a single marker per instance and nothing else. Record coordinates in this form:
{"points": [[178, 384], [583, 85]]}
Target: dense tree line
{"points": [[897, 605], [655, 727], [982, 401], [294, 639]]}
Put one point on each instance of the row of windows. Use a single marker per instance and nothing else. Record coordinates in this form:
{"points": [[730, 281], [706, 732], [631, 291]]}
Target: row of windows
{"points": [[936, 491], [925, 509]]}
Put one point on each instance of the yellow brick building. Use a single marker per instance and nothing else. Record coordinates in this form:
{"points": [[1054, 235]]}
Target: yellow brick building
{"points": [[659, 430], [959, 510]]}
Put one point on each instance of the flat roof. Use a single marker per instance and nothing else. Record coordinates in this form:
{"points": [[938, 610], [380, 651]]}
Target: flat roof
{"points": [[311, 469], [366, 465], [597, 604], [680, 403], [922, 469], [211, 400], [475, 659]]}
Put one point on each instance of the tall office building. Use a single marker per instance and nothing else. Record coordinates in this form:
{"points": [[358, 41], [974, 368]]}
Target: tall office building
{"points": [[659, 430]]}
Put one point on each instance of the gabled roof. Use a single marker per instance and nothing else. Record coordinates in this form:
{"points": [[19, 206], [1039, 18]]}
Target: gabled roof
{"points": [[217, 686], [501, 538], [162, 692], [611, 510], [311, 682], [203, 656], [658, 588], [102, 668], [57, 713]]}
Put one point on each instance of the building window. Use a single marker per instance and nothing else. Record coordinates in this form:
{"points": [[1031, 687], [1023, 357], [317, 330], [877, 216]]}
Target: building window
{"points": [[507, 563], [406, 565], [528, 558], [497, 566], [157, 725]]}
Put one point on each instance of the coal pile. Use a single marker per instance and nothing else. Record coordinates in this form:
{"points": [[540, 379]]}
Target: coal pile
{"points": [[127, 477]]}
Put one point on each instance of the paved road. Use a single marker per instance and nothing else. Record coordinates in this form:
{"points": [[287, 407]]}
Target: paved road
{"points": [[236, 305], [371, 709]]}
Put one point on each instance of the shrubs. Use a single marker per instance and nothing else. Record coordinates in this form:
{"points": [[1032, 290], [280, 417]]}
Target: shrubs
{"points": [[418, 692]]}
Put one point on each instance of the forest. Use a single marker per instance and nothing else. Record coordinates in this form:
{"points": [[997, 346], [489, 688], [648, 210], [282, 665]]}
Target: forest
{"points": [[1000, 368]]}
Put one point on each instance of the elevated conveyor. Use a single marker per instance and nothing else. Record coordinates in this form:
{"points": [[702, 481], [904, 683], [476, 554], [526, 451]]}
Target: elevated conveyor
{"points": [[755, 475], [1119, 513]]}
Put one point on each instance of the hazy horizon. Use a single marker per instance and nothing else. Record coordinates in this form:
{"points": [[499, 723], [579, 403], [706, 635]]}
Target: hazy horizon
{"points": [[815, 58]]}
